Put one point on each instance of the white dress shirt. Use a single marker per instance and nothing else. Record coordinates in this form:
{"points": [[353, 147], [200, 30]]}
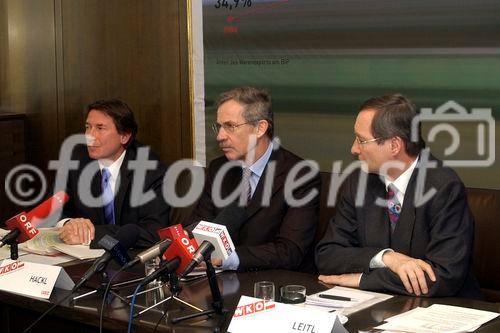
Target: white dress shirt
{"points": [[400, 183]]}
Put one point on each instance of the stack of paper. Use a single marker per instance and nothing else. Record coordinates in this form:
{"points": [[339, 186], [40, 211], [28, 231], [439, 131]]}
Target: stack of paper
{"points": [[438, 318], [47, 245], [79, 251], [338, 298], [344, 300], [43, 243]]}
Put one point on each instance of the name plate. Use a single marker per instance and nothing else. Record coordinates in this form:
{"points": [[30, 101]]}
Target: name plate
{"points": [[33, 280], [256, 315]]}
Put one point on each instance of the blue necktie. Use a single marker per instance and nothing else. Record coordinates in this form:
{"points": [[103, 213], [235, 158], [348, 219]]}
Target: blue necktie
{"points": [[393, 206], [107, 197]]}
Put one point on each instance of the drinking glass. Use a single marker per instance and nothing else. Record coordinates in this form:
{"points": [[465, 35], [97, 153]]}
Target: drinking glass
{"points": [[264, 290], [293, 294]]}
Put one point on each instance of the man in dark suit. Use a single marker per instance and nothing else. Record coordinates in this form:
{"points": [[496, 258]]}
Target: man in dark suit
{"points": [[106, 190], [279, 190], [403, 224]]}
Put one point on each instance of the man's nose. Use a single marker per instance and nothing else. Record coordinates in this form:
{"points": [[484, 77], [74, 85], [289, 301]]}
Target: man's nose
{"points": [[355, 148], [221, 134]]}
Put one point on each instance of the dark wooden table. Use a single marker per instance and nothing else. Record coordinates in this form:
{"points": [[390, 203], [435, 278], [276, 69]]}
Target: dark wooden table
{"points": [[17, 312]]}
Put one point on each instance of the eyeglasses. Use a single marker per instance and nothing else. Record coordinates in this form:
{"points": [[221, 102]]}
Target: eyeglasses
{"points": [[363, 142], [227, 127]]}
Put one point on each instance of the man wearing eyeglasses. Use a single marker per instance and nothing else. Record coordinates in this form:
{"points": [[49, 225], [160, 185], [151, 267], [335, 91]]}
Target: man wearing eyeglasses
{"points": [[387, 235], [257, 174]]}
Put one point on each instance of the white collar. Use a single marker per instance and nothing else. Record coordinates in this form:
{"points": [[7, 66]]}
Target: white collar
{"points": [[401, 183], [113, 168], [259, 165]]}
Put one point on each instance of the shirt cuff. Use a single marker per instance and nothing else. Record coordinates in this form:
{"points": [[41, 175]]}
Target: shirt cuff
{"points": [[231, 263], [61, 223], [377, 261]]}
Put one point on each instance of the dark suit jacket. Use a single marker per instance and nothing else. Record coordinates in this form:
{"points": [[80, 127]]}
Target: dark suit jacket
{"points": [[441, 232], [149, 216], [277, 236]]}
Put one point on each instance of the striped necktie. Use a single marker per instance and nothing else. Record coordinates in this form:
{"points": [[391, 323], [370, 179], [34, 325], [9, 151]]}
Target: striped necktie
{"points": [[107, 197], [247, 188]]}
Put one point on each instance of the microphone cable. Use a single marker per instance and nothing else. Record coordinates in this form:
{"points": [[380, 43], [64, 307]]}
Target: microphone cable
{"points": [[132, 303], [168, 266], [106, 292], [50, 309], [159, 320]]}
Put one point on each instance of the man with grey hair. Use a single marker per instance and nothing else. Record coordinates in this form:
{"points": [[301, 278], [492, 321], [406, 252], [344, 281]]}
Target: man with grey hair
{"points": [[394, 240], [278, 232]]}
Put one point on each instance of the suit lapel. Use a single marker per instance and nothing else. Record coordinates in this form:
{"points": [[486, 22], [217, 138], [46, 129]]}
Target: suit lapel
{"points": [[122, 186], [402, 236], [231, 181], [95, 189], [276, 179], [377, 228]]}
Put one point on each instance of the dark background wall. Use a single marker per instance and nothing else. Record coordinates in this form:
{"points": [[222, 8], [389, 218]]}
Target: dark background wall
{"points": [[57, 56]]}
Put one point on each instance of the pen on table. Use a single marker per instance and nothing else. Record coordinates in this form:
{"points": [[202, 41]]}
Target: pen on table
{"points": [[335, 297]]}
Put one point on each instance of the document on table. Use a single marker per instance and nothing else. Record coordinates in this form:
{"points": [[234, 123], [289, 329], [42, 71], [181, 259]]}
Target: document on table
{"points": [[438, 318], [50, 249], [79, 251], [43, 243], [344, 300], [47, 260]]}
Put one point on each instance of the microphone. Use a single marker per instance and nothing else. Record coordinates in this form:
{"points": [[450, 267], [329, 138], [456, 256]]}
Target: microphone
{"points": [[154, 251], [23, 225], [126, 237], [166, 236], [115, 248], [216, 237], [206, 248], [182, 247], [165, 266]]}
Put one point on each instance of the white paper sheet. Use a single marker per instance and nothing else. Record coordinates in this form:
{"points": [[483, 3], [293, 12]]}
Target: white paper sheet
{"points": [[79, 251], [438, 318], [47, 260], [360, 299]]}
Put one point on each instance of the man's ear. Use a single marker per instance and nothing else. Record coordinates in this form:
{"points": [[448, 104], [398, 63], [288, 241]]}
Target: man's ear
{"points": [[125, 138], [397, 145], [262, 127]]}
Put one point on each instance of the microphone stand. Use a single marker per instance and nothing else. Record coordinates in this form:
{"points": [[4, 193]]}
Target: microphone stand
{"points": [[175, 289], [101, 288], [217, 301], [10, 240], [14, 254]]}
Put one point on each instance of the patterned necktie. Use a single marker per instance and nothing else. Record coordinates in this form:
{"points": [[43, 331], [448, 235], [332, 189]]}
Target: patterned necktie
{"points": [[247, 188], [393, 206], [107, 197]]}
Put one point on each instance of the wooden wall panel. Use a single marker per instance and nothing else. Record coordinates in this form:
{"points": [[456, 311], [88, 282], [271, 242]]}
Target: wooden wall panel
{"points": [[57, 56], [4, 53], [131, 50], [31, 75], [28, 86]]}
